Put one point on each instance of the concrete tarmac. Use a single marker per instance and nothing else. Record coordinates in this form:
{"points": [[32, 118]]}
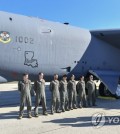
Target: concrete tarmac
{"points": [[106, 119]]}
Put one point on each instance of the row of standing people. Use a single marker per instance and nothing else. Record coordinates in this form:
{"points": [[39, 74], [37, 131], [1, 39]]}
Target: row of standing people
{"points": [[63, 94]]}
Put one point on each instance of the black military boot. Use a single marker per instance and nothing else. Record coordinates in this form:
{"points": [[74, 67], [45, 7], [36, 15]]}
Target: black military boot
{"points": [[63, 110], [45, 113], [58, 111], [20, 116], [29, 116]]}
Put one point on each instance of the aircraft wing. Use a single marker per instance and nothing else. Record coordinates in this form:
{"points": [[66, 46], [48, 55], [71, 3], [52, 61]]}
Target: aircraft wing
{"points": [[109, 78], [110, 36]]}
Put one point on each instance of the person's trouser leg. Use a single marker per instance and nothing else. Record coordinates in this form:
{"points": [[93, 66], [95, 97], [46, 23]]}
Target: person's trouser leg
{"points": [[80, 98], [29, 105], [53, 105], [22, 104], [44, 104], [89, 98], [66, 102], [57, 104], [93, 98], [37, 102], [63, 102], [84, 100], [71, 100], [75, 99]]}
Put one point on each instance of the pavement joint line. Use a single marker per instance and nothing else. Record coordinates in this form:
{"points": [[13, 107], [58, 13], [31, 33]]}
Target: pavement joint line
{"points": [[54, 130]]}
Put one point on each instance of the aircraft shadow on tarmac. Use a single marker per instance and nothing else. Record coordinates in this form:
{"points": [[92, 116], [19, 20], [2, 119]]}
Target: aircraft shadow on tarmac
{"points": [[9, 98], [86, 121], [12, 98], [13, 115], [107, 104], [10, 115]]}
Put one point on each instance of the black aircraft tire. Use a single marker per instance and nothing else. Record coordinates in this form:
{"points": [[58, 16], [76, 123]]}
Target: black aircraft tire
{"points": [[101, 89]]}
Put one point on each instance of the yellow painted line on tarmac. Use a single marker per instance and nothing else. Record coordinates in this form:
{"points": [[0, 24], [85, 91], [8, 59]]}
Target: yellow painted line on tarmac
{"points": [[107, 97]]}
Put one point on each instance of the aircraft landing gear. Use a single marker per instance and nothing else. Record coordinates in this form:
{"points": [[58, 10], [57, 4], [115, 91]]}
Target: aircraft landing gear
{"points": [[103, 91]]}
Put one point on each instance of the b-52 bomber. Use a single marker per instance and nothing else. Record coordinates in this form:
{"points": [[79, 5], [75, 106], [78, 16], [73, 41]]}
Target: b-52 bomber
{"points": [[34, 45]]}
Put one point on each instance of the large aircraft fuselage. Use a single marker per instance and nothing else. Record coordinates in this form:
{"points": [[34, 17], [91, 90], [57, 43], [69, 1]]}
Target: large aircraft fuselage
{"points": [[35, 45]]}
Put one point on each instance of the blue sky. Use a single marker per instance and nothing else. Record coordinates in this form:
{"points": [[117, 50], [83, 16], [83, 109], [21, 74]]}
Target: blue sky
{"points": [[90, 14]]}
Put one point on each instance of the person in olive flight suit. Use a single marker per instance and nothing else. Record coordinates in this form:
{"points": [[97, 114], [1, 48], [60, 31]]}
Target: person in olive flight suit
{"points": [[64, 94], [72, 93], [82, 102], [39, 87], [54, 88], [24, 87], [90, 85]]}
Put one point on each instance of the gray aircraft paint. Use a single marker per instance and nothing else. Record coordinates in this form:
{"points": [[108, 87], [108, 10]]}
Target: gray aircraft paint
{"points": [[52, 44], [35, 45]]}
